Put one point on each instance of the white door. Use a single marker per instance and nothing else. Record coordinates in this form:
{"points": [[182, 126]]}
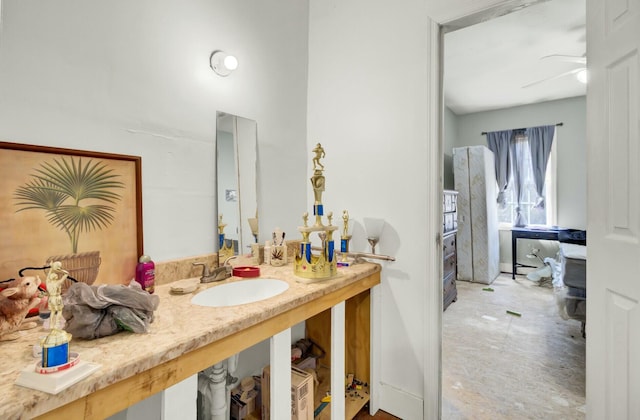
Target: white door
{"points": [[613, 232]]}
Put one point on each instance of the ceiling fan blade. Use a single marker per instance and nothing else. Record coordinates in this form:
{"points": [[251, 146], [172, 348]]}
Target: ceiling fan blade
{"points": [[557, 76], [566, 58]]}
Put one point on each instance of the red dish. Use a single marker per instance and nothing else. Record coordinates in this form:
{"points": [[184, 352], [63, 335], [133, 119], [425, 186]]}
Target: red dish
{"points": [[246, 271]]}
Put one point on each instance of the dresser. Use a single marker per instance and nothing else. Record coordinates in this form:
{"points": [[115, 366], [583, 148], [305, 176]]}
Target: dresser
{"points": [[449, 256]]}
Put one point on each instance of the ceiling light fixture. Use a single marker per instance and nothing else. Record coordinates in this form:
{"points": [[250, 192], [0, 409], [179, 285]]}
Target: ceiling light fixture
{"points": [[582, 76], [222, 63]]}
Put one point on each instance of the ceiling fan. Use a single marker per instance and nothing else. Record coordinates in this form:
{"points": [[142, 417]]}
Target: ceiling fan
{"points": [[580, 72]]}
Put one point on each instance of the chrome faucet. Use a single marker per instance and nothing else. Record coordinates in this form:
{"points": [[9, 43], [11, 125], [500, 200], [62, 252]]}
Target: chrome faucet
{"points": [[217, 274]]}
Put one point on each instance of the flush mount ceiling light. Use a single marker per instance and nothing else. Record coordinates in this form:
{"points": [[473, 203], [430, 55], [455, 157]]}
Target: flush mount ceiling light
{"points": [[222, 63]]}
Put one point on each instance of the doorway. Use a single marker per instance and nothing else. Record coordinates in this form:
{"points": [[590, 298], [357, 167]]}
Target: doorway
{"points": [[467, 115]]}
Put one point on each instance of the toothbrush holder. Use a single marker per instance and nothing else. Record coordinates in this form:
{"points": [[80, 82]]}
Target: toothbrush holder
{"points": [[278, 255]]}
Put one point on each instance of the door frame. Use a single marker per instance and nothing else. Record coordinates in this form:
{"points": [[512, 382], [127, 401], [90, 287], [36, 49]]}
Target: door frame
{"points": [[432, 407]]}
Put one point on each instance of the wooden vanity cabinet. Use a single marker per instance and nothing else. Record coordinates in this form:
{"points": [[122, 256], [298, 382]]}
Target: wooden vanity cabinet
{"points": [[125, 392], [357, 352], [449, 255]]}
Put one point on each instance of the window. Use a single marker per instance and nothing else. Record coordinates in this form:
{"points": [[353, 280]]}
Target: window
{"points": [[546, 216]]}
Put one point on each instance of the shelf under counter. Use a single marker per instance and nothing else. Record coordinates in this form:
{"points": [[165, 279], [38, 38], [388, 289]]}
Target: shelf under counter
{"points": [[357, 352], [354, 403]]}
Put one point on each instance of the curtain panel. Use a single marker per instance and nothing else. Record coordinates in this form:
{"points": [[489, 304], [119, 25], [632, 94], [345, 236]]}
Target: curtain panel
{"points": [[498, 142], [540, 142], [510, 166]]}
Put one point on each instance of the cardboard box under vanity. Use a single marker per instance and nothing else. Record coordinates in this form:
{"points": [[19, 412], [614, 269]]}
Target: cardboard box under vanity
{"points": [[245, 403], [301, 394]]}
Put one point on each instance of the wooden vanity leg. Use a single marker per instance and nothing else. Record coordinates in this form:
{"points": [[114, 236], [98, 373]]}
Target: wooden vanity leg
{"points": [[280, 382], [337, 361], [375, 344]]}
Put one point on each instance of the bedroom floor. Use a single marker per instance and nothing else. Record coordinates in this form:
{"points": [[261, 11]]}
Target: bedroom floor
{"points": [[500, 366]]}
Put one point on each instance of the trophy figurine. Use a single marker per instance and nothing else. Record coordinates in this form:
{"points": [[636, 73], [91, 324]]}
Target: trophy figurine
{"points": [[55, 346], [345, 237]]}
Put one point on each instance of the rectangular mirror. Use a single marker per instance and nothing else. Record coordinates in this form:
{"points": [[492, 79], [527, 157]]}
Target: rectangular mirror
{"points": [[236, 165]]}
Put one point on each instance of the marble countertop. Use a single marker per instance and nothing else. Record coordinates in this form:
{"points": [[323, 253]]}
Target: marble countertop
{"points": [[179, 327]]}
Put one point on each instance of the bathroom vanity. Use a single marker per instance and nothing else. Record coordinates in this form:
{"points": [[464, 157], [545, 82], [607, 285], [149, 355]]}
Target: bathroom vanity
{"points": [[185, 339]]}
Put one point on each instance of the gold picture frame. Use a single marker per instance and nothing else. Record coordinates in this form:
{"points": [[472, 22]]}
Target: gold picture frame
{"points": [[80, 207]]}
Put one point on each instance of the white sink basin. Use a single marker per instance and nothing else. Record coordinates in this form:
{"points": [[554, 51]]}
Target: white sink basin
{"points": [[240, 292]]}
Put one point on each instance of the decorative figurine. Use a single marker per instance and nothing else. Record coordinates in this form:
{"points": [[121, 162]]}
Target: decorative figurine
{"points": [[253, 225], [319, 151], [54, 289], [224, 251], [345, 238], [345, 223], [15, 303], [305, 232]]}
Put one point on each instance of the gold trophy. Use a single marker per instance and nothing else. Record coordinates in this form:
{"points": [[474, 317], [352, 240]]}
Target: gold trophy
{"points": [[309, 265], [55, 346], [224, 250], [345, 237]]}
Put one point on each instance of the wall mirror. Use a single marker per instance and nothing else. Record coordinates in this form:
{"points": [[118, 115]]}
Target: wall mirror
{"points": [[236, 163]]}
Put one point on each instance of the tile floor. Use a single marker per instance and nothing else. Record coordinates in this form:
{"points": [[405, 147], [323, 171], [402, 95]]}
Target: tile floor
{"points": [[499, 366]]}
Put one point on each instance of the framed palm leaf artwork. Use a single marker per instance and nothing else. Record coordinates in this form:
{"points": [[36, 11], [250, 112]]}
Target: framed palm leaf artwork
{"points": [[81, 208]]}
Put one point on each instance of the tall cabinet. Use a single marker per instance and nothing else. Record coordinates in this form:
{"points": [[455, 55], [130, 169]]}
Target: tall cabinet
{"points": [[449, 255]]}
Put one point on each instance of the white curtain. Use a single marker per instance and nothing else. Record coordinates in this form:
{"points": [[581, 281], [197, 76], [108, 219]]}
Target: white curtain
{"points": [[518, 157]]}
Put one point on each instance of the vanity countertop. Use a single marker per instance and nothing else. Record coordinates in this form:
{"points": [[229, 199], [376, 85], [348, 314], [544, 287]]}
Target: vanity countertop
{"points": [[179, 328]]}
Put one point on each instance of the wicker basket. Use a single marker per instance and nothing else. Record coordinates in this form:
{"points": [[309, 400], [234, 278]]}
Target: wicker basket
{"points": [[82, 267]]}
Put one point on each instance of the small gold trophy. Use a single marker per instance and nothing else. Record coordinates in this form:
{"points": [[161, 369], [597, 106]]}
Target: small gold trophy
{"points": [[55, 346], [345, 237], [224, 250]]}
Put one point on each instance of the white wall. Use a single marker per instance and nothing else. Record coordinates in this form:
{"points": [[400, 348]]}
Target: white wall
{"points": [[368, 108], [134, 78]]}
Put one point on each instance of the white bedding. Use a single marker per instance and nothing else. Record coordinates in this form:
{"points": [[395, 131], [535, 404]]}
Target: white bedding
{"points": [[573, 251]]}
